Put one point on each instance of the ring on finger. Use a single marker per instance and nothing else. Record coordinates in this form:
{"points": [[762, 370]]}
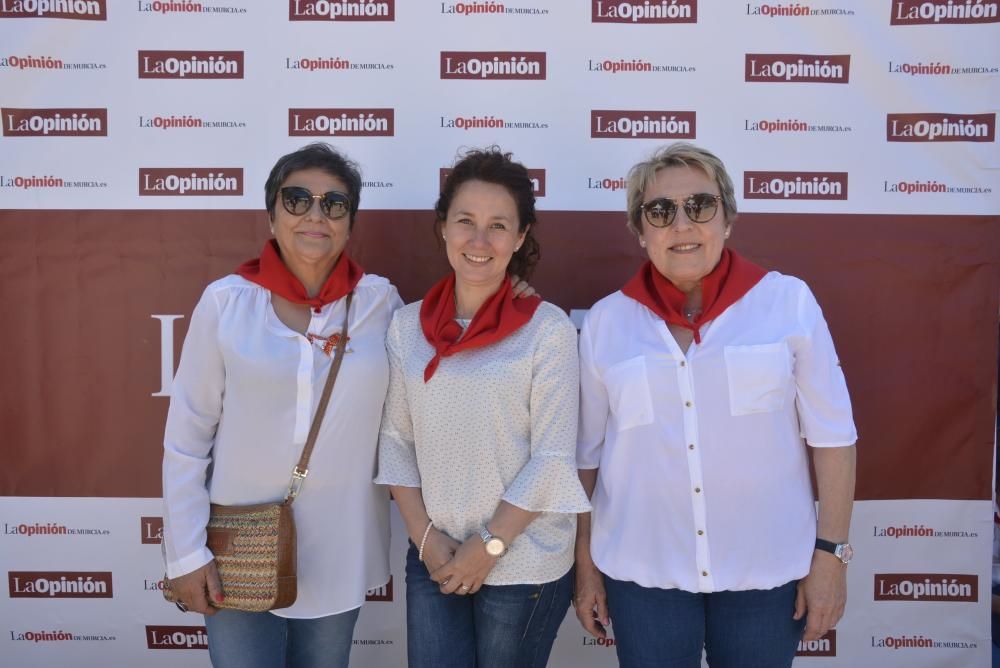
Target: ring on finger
{"points": [[466, 588], [180, 606]]}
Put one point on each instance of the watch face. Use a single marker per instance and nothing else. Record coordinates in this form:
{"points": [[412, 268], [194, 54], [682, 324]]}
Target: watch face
{"points": [[846, 552], [495, 547]]}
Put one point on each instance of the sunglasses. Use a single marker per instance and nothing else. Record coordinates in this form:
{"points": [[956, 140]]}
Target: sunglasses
{"points": [[297, 201], [699, 207]]}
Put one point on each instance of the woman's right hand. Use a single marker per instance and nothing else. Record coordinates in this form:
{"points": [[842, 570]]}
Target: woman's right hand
{"points": [[590, 600], [199, 588], [439, 549]]}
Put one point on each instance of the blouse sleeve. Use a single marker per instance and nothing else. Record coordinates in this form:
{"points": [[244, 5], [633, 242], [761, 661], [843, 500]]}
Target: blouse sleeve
{"points": [[195, 409], [594, 405], [823, 404], [397, 458], [549, 481]]}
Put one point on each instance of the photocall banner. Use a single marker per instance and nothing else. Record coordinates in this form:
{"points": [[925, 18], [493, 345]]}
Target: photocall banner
{"points": [[135, 138]]}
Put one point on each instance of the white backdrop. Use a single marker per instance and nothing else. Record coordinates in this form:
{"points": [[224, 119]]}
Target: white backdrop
{"points": [[890, 106]]}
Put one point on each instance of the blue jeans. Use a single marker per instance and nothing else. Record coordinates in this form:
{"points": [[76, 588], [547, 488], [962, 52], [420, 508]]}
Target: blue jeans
{"points": [[667, 628], [504, 626], [261, 640]]}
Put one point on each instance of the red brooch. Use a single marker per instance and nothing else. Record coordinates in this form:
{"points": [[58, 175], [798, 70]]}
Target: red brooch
{"points": [[327, 343]]}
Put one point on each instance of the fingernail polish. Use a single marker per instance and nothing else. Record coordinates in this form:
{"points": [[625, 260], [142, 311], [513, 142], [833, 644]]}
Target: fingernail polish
{"points": [[219, 598]]}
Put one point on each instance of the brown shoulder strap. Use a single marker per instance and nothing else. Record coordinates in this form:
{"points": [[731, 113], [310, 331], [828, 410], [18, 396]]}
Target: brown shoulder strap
{"points": [[302, 468]]}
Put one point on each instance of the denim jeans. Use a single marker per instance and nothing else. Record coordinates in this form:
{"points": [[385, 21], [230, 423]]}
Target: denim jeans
{"points": [[667, 628], [239, 639], [503, 626]]}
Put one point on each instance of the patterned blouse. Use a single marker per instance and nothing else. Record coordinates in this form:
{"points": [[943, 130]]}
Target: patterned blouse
{"points": [[493, 423]]}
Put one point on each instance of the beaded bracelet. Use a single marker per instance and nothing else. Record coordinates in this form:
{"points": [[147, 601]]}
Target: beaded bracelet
{"points": [[423, 541]]}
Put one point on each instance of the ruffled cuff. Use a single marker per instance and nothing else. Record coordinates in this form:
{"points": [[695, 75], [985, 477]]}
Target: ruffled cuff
{"points": [[397, 462], [548, 484]]}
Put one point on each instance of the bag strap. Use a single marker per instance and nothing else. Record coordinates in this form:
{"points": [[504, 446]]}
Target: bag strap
{"points": [[301, 469]]}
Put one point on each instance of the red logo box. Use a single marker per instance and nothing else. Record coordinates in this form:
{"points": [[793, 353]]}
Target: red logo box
{"points": [[190, 64], [190, 181], [380, 594], [81, 10], [796, 68], [795, 185], [341, 10], [941, 127], [664, 11], [954, 587], [923, 12], [341, 122], [151, 530], [65, 122], [176, 637], [493, 65], [60, 584], [825, 645], [653, 124]]}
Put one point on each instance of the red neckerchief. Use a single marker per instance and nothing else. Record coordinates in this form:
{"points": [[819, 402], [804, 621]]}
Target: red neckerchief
{"points": [[270, 271], [498, 317], [731, 279]]}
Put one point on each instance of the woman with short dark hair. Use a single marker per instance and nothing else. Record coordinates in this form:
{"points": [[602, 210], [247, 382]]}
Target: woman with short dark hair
{"points": [[256, 357]]}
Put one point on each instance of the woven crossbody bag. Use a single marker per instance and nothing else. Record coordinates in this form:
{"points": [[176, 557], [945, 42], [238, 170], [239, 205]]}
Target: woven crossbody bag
{"points": [[254, 546]]}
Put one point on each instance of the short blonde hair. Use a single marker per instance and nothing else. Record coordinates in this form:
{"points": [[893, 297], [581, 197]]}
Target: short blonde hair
{"points": [[679, 154]]}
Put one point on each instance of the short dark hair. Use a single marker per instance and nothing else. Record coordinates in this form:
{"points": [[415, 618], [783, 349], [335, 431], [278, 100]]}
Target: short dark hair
{"points": [[317, 155], [491, 165]]}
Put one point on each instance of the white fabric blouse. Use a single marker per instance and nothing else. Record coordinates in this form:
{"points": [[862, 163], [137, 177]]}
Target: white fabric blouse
{"points": [[241, 406], [493, 423], [704, 480]]}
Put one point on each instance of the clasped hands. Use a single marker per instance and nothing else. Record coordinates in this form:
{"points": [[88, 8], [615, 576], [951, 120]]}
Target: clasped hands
{"points": [[459, 568]]}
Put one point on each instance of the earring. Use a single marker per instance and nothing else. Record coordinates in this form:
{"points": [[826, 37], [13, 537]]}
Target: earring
{"points": [[727, 234], [642, 243]]}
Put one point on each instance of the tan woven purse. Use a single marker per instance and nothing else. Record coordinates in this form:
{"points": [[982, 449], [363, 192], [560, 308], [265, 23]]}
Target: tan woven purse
{"points": [[254, 546]]}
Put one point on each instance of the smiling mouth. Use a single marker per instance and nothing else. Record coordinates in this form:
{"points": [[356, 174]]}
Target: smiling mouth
{"points": [[477, 259], [685, 248], [313, 235]]}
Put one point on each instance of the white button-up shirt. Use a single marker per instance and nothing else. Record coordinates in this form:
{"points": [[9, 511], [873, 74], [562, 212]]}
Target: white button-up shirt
{"points": [[704, 480], [241, 406]]}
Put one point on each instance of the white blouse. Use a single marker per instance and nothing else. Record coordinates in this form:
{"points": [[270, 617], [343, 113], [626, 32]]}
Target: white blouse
{"points": [[704, 481], [493, 423], [241, 406]]}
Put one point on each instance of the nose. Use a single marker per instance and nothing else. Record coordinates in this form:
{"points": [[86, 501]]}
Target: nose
{"points": [[681, 220], [481, 235], [314, 212]]}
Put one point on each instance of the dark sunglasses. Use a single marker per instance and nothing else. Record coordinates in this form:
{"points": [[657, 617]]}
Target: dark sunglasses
{"points": [[297, 201], [699, 207]]}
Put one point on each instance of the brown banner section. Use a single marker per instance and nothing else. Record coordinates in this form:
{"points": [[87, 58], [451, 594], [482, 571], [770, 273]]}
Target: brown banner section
{"points": [[88, 297]]}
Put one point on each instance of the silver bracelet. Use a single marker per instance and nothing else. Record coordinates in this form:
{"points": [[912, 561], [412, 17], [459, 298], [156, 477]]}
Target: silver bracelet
{"points": [[423, 541]]}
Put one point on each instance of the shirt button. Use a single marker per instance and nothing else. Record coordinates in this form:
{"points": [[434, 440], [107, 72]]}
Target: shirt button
{"points": [[704, 574], [688, 404], [700, 532], [691, 446], [683, 363], [697, 490]]}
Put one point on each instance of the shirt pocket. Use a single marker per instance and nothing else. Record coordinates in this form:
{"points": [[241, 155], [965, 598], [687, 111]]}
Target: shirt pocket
{"points": [[628, 393], [759, 377]]}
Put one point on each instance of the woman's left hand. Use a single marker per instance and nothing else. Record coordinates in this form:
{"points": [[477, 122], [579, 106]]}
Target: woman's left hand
{"points": [[467, 570], [521, 288], [821, 595]]}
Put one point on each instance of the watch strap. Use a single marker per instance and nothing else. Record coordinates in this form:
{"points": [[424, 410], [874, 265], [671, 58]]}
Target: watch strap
{"points": [[826, 546]]}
